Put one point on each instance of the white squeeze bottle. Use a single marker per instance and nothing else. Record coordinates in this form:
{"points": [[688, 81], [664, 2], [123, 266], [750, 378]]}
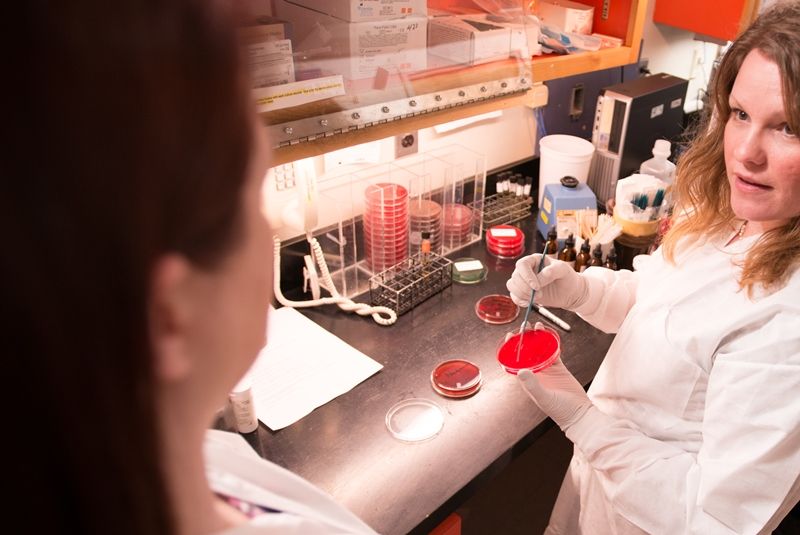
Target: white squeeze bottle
{"points": [[658, 166]]}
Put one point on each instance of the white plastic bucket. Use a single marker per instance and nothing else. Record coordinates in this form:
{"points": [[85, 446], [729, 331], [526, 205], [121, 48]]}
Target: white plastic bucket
{"points": [[561, 155]]}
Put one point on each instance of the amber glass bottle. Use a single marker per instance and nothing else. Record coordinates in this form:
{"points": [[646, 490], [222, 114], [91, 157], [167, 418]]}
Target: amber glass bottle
{"points": [[611, 260], [568, 253], [551, 245], [597, 256], [584, 258]]}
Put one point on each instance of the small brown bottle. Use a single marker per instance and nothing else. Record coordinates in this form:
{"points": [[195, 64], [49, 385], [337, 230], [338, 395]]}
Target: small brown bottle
{"points": [[597, 256], [611, 260], [551, 245], [568, 253], [584, 258]]}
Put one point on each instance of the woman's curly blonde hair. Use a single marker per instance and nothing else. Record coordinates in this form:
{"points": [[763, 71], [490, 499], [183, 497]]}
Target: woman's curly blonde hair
{"points": [[701, 188]]}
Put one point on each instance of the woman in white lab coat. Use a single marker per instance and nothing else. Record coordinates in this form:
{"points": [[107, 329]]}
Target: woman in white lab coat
{"points": [[692, 423], [136, 275]]}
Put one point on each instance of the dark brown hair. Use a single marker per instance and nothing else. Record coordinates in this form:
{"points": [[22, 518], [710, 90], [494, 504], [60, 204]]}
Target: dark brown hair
{"points": [[126, 135], [702, 187]]}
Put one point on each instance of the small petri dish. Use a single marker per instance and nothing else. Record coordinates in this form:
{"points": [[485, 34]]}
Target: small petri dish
{"points": [[496, 309], [469, 271], [415, 420], [541, 346], [456, 376]]}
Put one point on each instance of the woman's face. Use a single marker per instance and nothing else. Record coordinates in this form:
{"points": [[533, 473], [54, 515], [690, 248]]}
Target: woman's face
{"points": [[232, 310], [762, 154]]}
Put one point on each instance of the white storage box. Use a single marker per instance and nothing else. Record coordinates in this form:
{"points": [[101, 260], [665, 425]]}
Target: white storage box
{"points": [[355, 49], [468, 41], [362, 10], [566, 15]]}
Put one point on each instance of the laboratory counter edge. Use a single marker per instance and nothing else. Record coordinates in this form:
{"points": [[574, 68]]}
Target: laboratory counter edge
{"points": [[344, 446]]}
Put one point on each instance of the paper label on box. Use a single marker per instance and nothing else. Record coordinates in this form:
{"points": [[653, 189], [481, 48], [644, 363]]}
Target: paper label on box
{"points": [[468, 265], [296, 93], [503, 232], [271, 63]]}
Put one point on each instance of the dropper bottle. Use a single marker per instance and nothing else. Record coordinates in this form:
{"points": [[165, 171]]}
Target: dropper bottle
{"points": [[584, 258], [597, 256], [568, 254], [611, 260], [551, 245]]}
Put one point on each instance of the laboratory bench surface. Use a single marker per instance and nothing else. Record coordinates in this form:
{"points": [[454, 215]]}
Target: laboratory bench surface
{"points": [[344, 446]]}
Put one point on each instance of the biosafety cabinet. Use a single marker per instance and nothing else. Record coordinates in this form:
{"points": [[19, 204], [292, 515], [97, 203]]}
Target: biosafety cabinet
{"points": [[358, 76]]}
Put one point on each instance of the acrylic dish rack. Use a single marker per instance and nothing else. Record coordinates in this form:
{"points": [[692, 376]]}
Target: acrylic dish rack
{"points": [[384, 212]]}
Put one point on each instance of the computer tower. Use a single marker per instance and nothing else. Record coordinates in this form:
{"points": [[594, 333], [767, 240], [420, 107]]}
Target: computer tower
{"points": [[572, 100], [629, 118]]}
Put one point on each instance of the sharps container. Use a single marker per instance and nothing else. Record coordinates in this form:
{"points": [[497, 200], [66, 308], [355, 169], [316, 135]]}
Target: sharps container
{"points": [[560, 205], [562, 155]]}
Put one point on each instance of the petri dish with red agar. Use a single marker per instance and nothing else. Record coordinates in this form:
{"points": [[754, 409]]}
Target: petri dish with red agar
{"points": [[456, 378], [496, 309], [505, 241], [541, 346], [414, 420], [385, 225]]}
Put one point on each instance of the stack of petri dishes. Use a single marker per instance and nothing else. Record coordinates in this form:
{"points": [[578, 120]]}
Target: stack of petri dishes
{"points": [[505, 241], [385, 225], [457, 223], [457, 378], [426, 216]]}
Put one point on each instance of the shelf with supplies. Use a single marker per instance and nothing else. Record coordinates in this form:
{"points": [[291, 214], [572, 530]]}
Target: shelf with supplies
{"points": [[392, 103]]}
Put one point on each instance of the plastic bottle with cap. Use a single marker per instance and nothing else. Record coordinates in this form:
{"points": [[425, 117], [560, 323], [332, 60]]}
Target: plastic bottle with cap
{"points": [[659, 166]]}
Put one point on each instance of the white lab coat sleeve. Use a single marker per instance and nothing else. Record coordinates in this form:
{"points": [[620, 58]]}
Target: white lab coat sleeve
{"points": [[610, 295], [749, 460]]}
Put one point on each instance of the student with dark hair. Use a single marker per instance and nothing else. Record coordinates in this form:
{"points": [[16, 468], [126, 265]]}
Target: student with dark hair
{"points": [[136, 275]]}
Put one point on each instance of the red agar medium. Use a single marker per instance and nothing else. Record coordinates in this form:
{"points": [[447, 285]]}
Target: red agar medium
{"points": [[496, 309], [456, 378], [540, 348]]}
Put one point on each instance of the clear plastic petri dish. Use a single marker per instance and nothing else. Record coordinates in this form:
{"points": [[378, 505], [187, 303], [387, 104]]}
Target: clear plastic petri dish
{"points": [[414, 420], [469, 271], [541, 346], [496, 309]]}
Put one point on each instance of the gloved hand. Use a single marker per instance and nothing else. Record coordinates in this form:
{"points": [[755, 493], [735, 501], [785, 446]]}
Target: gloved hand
{"points": [[556, 391], [557, 285]]}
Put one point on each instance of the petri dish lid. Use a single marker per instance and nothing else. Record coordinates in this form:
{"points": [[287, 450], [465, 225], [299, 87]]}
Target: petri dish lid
{"points": [[456, 375], [414, 420], [496, 309], [469, 271]]}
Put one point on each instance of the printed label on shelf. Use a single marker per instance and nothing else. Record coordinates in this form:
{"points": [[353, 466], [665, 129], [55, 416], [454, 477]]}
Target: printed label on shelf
{"points": [[287, 95]]}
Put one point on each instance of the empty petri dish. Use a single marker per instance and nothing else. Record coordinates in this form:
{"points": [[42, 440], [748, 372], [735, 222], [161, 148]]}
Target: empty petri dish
{"points": [[541, 346], [469, 271], [414, 420], [496, 309], [457, 376]]}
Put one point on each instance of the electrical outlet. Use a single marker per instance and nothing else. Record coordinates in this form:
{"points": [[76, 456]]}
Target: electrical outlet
{"points": [[405, 144]]}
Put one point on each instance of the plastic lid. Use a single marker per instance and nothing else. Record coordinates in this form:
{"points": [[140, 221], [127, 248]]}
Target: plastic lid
{"points": [[456, 378], [569, 182], [496, 309], [662, 147], [469, 271], [415, 420]]}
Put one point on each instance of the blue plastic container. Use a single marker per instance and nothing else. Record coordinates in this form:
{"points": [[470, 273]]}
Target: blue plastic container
{"points": [[559, 204]]}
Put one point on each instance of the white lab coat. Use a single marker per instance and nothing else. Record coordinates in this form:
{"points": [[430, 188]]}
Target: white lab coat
{"points": [[234, 469], [698, 422]]}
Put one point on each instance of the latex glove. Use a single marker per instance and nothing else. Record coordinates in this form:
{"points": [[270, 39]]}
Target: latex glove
{"points": [[557, 285], [556, 391]]}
